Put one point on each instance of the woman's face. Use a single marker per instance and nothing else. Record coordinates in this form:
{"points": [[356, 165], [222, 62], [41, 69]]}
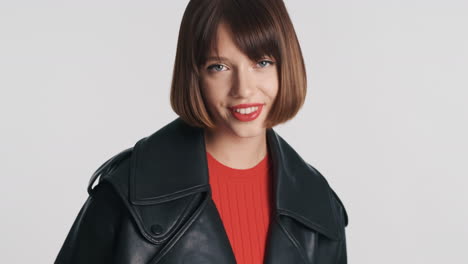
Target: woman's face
{"points": [[229, 86]]}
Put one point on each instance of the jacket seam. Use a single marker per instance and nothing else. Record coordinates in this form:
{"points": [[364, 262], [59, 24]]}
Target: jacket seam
{"points": [[136, 218], [156, 259], [168, 197], [119, 226], [293, 240], [311, 225], [340, 251], [180, 218]]}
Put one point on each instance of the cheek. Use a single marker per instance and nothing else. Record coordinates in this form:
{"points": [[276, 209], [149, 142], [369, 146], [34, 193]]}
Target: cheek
{"points": [[212, 93], [273, 89], [270, 86]]}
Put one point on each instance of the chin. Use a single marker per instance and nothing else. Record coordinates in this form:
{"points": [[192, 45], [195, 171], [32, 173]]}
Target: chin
{"points": [[248, 130]]}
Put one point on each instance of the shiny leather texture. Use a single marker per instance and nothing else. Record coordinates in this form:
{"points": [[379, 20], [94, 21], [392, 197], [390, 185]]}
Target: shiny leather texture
{"points": [[152, 205]]}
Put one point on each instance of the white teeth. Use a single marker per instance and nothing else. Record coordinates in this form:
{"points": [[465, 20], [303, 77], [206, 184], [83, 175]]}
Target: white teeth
{"points": [[247, 110]]}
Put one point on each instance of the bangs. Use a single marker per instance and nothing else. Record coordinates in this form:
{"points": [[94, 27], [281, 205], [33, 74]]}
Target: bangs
{"points": [[251, 25]]}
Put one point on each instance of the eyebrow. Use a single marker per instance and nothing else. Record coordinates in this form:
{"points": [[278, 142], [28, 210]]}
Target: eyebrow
{"points": [[221, 58], [216, 58]]}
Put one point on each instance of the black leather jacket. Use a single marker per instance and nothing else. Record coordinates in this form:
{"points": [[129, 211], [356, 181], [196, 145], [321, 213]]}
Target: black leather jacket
{"points": [[153, 205]]}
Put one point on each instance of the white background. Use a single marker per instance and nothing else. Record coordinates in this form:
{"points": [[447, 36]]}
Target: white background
{"points": [[385, 119]]}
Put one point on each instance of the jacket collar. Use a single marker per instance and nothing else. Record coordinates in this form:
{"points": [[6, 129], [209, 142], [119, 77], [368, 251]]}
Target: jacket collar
{"points": [[171, 163]]}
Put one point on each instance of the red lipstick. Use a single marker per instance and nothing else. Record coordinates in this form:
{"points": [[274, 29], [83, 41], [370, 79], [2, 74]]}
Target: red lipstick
{"points": [[246, 117]]}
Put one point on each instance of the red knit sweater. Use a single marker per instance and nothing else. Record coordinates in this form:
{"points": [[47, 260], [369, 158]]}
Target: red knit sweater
{"points": [[243, 201]]}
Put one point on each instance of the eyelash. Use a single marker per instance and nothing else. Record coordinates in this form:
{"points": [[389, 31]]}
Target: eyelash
{"points": [[213, 65]]}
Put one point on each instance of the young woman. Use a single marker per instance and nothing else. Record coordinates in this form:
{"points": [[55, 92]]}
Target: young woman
{"points": [[217, 184]]}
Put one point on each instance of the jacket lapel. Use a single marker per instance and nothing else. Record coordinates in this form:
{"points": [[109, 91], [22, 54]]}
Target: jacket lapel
{"points": [[171, 164], [301, 191], [168, 165]]}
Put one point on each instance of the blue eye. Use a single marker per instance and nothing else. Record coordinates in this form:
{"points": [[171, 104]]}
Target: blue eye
{"points": [[219, 67], [214, 66], [269, 62]]}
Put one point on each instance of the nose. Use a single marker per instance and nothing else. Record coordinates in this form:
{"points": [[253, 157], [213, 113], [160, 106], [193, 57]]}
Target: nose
{"points": [[243, 84]]}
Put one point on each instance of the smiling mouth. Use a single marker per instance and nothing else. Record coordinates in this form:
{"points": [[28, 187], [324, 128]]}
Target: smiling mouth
{"points": [[246, 110], [246, 114]]}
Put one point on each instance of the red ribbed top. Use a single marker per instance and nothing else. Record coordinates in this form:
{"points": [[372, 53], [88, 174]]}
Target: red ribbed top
{"points": [[244, 203]]}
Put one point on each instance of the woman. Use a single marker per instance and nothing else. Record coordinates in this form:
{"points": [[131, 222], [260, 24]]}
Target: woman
{"points": [[217, 184]]}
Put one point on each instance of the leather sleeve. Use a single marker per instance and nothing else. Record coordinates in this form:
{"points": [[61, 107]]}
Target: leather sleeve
{"points": [[342, 254], [93, 234], [343, 217]]}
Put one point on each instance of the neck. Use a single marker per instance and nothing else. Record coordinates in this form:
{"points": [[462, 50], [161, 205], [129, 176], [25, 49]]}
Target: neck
{"points": [[234, 151]]}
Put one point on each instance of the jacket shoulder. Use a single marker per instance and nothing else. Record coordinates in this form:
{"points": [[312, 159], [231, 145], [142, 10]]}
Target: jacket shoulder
{"points": [[109, 167], [93, 235], [341, 207], [335, 198]]}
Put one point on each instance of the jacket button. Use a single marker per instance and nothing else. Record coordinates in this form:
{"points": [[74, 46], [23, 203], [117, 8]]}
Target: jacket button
{"points": [[156, 229]]}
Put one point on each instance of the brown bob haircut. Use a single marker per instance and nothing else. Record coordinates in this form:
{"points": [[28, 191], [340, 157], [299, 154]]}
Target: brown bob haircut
{"points": [[259, 28]]}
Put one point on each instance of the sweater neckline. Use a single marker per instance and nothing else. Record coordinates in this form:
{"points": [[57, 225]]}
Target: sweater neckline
{"points": [[233, 172]]}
